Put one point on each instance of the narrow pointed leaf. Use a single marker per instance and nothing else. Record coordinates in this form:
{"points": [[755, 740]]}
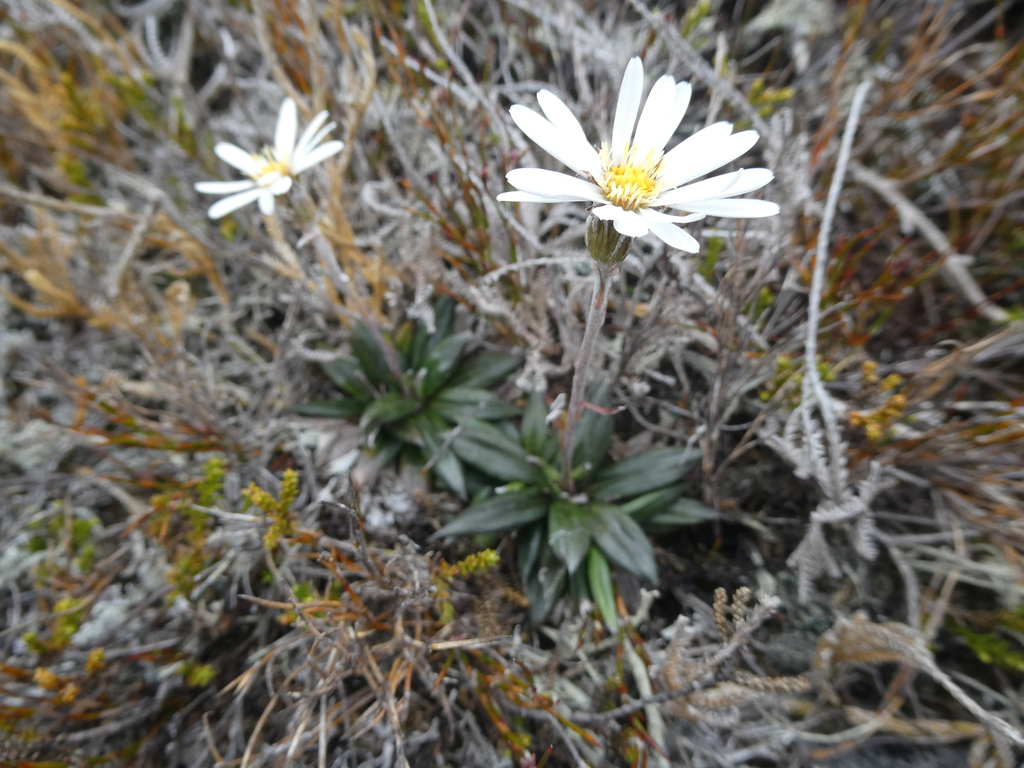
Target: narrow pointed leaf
{"points": [[535, 427], [623, 541], [599, 575], [594, 433], [486, 369], [418, 348], [463, 402], [546, 585], [338, 408], [529, 543], [579, 589], [649, 504], [683, 512], [447, 466], [403, 339], [386, 410], [643, 473], [347, 375], [486, 448], [370, 356], [441, 362], [498, 513], [444, 322], [569, 533]]}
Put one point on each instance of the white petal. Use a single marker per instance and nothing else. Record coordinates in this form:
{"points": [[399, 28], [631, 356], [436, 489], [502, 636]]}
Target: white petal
{"points": [[690, 217], [708, 158], [526, 197], [305, 140], [562, 117], [281, 186], [682, 154], [228, 204], [626, 109], [634, 226], [664, 227], [735, 209], [626, 223], [320, 136], [554, 185], [656, 116], [726, 185], [223, 187], [284, 136], [269, 178], [318, 155], [236, 157], [266, 202], [681, 101], [561, 145]]}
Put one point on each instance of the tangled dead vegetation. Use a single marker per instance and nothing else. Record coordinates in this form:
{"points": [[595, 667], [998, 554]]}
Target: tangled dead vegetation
{"points": [[210, 557]]}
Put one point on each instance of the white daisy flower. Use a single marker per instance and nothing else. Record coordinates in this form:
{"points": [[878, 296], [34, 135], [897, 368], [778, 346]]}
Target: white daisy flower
{"points": [[271, 170], [631, 178]]}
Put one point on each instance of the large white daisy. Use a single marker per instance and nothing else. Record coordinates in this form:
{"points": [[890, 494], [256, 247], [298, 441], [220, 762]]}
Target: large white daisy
{"points": [[631, 178], [271, 170]]}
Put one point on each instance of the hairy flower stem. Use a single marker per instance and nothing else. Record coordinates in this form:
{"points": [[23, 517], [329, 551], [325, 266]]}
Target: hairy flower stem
{"points": [[583, 364], [289, 266]]}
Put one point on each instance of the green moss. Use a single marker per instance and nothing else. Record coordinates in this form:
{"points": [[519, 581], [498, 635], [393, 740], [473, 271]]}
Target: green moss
{"points": [[989, 648]]}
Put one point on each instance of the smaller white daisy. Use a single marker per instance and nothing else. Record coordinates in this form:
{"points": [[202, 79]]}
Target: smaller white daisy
{"points": [[632, 177], [271, 170]]}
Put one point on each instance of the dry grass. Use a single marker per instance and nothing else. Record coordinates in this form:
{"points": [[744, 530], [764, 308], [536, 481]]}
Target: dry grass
{"points": [[193, 575]]}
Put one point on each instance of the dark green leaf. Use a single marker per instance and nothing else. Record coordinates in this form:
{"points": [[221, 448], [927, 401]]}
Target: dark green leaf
{"points": [[498, 513], [337, 408], [594, 432], [447, 466], [387, 450], [347, 375], [579, 590], [370, 355], [643, 507], [461, 402], [403, 338], [683, 512], [620, 537], [529, 542], [535, 428], [444, 321], [449, 469], [600, 578], [546, 585], [486, 369], [441, 362], [418, 348], [386, 410], [484, 447], [569, 532], [643, 473]]}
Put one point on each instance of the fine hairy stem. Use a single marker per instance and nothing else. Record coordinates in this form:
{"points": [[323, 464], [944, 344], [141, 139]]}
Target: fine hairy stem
{"points": [[582, 365]]}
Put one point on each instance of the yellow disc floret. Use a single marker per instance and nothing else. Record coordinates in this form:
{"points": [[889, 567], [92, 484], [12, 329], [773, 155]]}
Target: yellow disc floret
{"points": [[634, 183], [267, 162]]}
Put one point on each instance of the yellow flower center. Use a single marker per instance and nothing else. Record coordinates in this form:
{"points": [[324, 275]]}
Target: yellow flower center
{"points": [[267, 162], [634, 183]]}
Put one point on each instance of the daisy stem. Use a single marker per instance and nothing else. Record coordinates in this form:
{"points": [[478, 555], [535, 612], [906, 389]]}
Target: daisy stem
{"points": [[290, 261], [583, 363]]}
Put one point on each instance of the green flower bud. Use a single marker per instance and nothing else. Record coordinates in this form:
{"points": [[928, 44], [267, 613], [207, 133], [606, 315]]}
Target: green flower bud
{"points": [[605, 244]]}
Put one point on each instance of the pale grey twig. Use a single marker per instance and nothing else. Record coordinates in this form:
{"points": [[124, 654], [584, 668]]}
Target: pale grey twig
{"points": [[494, 274], [812, 379], [116, 273]]}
